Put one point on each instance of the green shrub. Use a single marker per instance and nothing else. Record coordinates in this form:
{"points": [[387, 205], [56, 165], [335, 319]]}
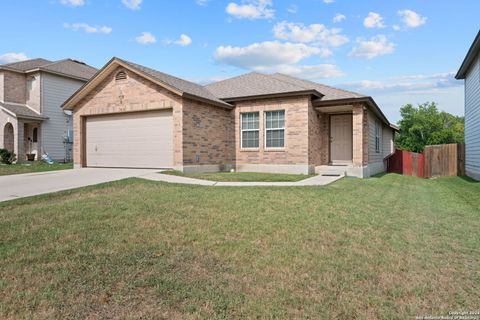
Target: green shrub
{"points": [[7, 157]]}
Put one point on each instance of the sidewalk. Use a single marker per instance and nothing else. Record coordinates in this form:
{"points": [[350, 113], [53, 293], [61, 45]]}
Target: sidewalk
{"points": [[313, 181]]}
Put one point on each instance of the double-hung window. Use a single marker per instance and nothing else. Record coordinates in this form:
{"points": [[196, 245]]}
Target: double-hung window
{"points": [[250, 130], [377, 137], [275, 129]]}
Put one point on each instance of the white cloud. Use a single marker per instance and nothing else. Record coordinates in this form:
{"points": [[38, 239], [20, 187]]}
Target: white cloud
{"points": [[266, 54], [11, 57], [409, 83], [328, 1], [183, 40], [374, 47], [411, 19], [73, 3], [339, 18], [202, 2], [146, 38], [314, 33], [374, 20], [292, 9], [396, 27], [87, 28], [251, 9], [320, 71], [132, 4]]}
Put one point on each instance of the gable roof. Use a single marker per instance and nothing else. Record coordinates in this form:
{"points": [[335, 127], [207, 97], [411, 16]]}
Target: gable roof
{"points": [[66, 67], [21, 111], [469, 58], [179, 86], [256, 84]]}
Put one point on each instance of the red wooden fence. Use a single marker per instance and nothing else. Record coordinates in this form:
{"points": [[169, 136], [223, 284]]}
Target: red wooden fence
{"points": [[406, 163]]}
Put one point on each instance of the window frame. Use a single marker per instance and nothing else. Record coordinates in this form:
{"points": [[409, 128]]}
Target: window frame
{"points": [[265, 129], [249, 130], [377, 137]]}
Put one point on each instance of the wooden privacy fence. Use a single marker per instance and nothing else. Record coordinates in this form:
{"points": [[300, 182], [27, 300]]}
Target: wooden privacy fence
{"points": [[435, 161]]}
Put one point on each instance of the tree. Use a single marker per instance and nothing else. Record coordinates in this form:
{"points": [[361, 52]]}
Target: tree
{"points": [[425, 125]]}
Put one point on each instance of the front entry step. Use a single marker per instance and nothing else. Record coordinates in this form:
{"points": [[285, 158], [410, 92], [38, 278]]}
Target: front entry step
{"points": [[332, 170]]}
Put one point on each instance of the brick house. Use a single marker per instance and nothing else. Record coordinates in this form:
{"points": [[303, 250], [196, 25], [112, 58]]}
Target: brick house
{"points": [[128, 115], [31, 94]]}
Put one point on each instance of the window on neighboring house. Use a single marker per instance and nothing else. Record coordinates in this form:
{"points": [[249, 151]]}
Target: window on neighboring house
{"points": [[35, 135], [275, 129], [250, 130], [377, 137]]}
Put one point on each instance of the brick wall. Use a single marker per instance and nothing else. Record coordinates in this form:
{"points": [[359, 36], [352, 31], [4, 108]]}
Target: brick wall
{"points": [[133, 94], [207, 134], [360, 135], [14, 87], [296, 132]]}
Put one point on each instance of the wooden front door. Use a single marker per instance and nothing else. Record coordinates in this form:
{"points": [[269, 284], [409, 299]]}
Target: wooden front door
{"points": [[341, 138]]}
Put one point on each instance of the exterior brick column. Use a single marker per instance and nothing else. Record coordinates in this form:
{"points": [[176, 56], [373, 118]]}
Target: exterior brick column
{"points": [[360, 136]]}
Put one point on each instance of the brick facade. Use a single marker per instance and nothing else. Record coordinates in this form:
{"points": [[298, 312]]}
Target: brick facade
{"points": [[210, 136], [14, 87]]}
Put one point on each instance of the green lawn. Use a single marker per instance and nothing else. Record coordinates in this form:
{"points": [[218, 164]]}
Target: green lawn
{"points": [[241, 176], [391, 247], [36, 166]]}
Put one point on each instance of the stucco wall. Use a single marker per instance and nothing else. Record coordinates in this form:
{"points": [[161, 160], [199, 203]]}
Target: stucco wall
{"points": [[33, 89]]}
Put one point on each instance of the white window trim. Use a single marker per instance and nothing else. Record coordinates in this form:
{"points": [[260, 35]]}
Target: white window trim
{"points": [[247, 130], [265, 130]]}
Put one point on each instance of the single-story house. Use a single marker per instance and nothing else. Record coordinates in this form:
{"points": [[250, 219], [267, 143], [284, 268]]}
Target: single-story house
{"points": [[31, 118], [470, 72], [129, 115]]}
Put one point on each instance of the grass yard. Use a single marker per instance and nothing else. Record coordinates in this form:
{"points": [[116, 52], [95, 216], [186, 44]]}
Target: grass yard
{"points": [[241, 176], [36, 166], [392, 247]]}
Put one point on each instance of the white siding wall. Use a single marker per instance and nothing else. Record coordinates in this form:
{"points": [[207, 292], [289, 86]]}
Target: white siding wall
{"points": [[472, 120], [55, 90], [387, 141]]}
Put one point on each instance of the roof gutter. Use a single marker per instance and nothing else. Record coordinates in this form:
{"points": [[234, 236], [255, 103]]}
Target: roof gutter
{"points": [[275, 95], [469, 58]]}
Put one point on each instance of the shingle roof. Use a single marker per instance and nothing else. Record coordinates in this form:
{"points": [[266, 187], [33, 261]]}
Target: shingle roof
{"points": [[21, 111], [66, 67], [27, 64], [253, 84], [181, 85], [71, 68], [330, 93]]}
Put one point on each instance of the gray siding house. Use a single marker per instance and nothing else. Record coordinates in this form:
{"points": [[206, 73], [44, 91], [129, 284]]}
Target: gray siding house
{"points": [[31, 118], [470, 72]]}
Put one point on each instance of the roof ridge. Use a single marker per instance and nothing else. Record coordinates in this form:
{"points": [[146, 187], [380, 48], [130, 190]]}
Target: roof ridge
{"points": [[22, 61], [321, 84], [239, 76]]}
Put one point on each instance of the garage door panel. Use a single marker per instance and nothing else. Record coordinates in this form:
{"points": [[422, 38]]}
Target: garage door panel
{"points": [[138, 140]]}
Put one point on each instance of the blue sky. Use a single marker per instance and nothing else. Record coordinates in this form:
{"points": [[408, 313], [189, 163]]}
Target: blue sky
{"points": [[397, 51]]}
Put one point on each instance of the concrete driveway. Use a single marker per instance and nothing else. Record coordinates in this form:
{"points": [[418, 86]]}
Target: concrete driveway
{"points": [[31, 184]]}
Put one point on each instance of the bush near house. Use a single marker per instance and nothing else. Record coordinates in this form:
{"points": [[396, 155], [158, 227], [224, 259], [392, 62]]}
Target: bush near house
{"points": [[7, 157]]}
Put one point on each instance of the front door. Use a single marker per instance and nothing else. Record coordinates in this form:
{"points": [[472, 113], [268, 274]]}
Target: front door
{"points": [[341, 138]]}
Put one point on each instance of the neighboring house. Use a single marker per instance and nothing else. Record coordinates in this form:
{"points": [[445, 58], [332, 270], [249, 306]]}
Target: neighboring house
{"points": [[470, 71], [31, 94], [128, 115]]}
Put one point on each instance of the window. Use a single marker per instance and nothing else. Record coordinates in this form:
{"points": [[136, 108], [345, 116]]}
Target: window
{"points": [[250, 130], [377, 137], [35, 135], [275, 129], [121, 75]]}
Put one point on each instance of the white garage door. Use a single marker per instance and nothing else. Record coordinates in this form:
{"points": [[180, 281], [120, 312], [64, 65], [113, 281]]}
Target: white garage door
{"points": [[133, 140]]}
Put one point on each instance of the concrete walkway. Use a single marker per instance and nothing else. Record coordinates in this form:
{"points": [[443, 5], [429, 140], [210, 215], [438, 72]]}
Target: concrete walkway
{"points": [[31, 184], [313, 181]]}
